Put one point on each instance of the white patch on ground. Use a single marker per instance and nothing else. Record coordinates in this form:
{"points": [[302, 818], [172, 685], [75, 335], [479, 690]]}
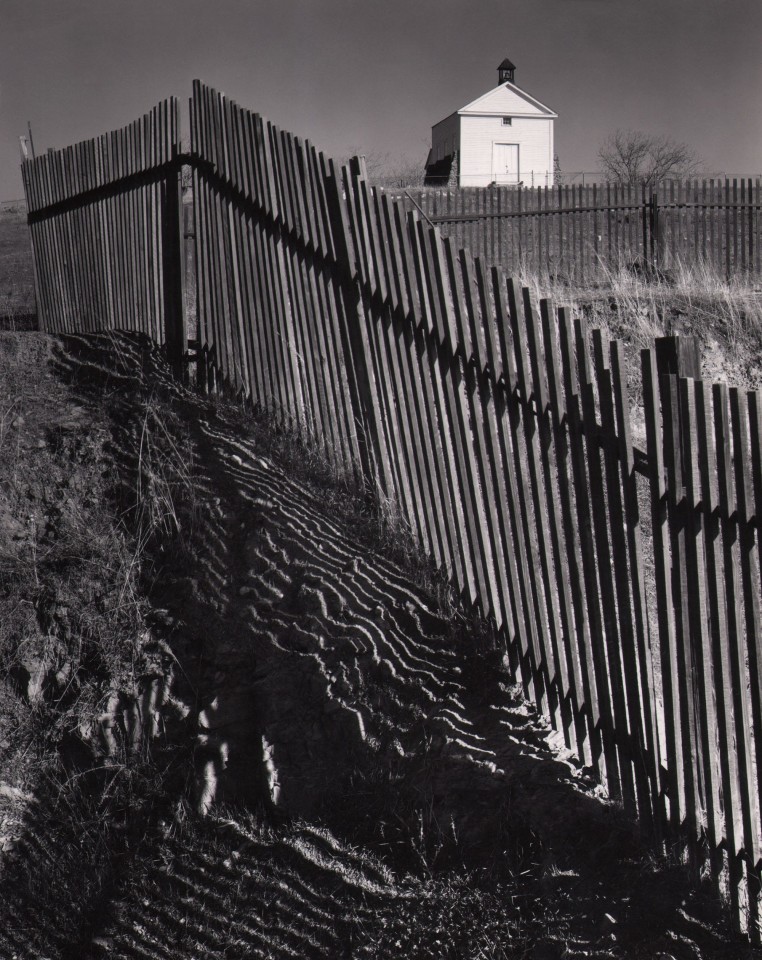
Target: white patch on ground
{"points": [[268, 755]]}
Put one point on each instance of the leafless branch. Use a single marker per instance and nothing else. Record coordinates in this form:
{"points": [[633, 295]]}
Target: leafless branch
{"points": [[629, 156]]}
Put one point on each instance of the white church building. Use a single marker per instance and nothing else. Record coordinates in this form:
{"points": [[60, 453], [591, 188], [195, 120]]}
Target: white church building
{"points": [[503, 137]]}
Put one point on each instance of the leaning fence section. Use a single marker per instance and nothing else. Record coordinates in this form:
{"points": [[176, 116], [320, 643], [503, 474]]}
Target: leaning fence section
{"points": [[625, 582], [500, 429], [705, 479], [579, 232], [274, 319], [102, 215]]}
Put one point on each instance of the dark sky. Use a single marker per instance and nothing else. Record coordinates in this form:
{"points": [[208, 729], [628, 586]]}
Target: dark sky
{"points": [[372, 76]]}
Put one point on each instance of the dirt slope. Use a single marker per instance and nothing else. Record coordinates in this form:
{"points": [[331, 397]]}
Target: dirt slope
{"points": [[17, 301], [374, 785]]}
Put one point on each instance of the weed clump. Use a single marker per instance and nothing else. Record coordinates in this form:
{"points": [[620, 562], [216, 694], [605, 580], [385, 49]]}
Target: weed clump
{"points": [[79, 785], [455, 917]]}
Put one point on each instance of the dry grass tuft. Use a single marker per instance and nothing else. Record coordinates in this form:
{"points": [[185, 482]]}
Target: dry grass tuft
{"points": [[16, 268], [642, 304], [74, 637]]}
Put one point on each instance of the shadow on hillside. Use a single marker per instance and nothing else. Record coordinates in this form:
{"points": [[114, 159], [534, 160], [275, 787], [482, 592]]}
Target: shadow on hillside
{"points": [[18, 322], [220, 887], [327, 688]]}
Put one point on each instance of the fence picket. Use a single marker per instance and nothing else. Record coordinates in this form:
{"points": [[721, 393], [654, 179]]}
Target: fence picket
{"points": [[699, 638], [729, 773], [627, 658], [246, 255], [511, 469], [662, 566], [447, 316], [577, 642], [682, 660], [478, 395], [734, 608], [526, 352], [631, 512], [432, 462], [749, 563], [754, 570]]}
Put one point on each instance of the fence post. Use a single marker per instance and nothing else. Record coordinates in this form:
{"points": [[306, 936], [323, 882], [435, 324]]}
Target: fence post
{"points": [[645, 216], [678, 355], [172, 255], [655, 237], [354, 336], [190, 296]]}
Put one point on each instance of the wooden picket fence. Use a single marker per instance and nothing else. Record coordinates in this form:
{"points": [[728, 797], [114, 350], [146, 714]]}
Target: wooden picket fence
{"points": [[103, 216], [580, 232], [705, 474], [626, 583]]}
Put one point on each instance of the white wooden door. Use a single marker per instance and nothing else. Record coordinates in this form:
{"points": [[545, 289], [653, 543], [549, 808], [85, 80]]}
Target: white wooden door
{"points": [[505, 162]]}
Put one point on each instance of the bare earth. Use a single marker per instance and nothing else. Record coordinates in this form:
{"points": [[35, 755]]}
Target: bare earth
{"points": [[336, 761]]}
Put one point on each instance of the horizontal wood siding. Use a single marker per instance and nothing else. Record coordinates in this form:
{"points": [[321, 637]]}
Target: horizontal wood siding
{"points": [[478, 134]]}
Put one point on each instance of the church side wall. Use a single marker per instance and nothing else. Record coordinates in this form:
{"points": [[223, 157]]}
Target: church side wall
{"points": [[444, 137]]}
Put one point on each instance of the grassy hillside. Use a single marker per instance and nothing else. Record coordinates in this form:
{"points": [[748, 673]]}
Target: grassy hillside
{"points": [[17, 302], [233, 726], [725, 315]]}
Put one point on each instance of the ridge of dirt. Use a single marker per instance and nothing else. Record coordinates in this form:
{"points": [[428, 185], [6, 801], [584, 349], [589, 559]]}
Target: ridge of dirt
{"points": [[366, 780]]}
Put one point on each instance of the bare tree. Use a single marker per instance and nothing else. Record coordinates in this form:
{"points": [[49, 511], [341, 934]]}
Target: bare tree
{"points": [[630, 156], [385, 170], [401, 172], [375, 161]]}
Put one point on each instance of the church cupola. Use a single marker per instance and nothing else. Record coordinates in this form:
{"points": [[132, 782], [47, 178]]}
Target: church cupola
{"points": [[505, 71]]}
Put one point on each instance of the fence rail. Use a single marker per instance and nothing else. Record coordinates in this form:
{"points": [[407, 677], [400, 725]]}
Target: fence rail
{"points": [[103, 218], [578, 231], [626, 583]]}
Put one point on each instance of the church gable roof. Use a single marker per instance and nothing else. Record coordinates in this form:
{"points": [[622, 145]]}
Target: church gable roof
{"points": [[507, 99]]}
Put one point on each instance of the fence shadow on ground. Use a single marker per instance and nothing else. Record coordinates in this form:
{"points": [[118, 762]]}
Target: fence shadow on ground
{"points": [[326, 689]]}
